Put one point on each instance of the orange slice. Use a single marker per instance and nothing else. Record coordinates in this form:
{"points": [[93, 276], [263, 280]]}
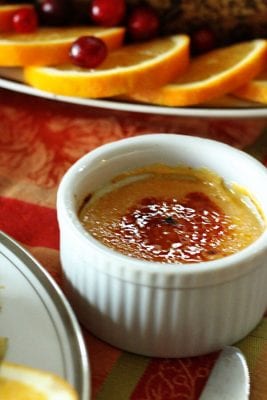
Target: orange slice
{"points": [[255, 90], [50, 45], [210, 75], [23, 383], [6, 13], [146, 65], [229, 101]]}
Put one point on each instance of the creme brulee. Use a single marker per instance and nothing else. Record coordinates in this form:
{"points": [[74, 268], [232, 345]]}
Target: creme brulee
{"points": [[172, 215]]}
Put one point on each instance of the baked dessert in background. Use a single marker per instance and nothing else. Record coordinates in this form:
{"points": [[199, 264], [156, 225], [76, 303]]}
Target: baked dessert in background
{"points": [[230, 20]]}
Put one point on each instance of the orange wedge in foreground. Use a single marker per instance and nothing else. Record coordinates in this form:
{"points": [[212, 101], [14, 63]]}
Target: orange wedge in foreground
{"points": [[210, 76], [6, 14], [142, 65], [18, 382], [255, 90], [50, 45]]}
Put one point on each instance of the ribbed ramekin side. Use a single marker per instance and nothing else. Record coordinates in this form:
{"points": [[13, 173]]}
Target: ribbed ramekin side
{"points": [[158, 321]]}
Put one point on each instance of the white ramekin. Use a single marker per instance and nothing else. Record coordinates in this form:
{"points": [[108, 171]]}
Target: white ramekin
{"points": [[151, 308]]}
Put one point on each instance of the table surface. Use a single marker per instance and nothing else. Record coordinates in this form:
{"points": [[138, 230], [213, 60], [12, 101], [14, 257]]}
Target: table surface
{"points": [[39, 140]]}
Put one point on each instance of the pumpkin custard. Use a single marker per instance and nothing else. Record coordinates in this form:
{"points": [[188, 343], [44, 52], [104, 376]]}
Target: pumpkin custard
{"points": [[172, 215]]}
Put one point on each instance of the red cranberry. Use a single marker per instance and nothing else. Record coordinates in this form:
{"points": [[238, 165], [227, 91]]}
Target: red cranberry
{"points": [[107, 12], [88, 52], [55, 12], [25, 21], [143, 23], [202, 41]]}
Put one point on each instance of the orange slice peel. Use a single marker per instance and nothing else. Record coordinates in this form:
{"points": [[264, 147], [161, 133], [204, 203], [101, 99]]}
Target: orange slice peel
{"points": [[49, 45], [145, 65], [209, 76], [255, 90]]}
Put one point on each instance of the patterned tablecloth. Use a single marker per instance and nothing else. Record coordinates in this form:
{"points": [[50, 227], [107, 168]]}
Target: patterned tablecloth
{"points": [[39, 140]]}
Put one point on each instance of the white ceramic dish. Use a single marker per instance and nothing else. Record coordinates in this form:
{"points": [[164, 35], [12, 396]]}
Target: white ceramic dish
{"points": [[11, 79], [151, 308], [36, 318]]}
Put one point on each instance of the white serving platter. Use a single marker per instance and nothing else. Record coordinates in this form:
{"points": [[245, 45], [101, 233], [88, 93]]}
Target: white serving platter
{"points": [[38, 321], [12, 79]]}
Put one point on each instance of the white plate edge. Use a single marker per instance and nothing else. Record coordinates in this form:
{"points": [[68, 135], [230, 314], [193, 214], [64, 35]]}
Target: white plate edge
{"points": [[222, 113], [69, 319]]}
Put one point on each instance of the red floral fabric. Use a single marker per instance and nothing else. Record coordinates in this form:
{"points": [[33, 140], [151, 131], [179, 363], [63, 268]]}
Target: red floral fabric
{"points": [[39, 140]]}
